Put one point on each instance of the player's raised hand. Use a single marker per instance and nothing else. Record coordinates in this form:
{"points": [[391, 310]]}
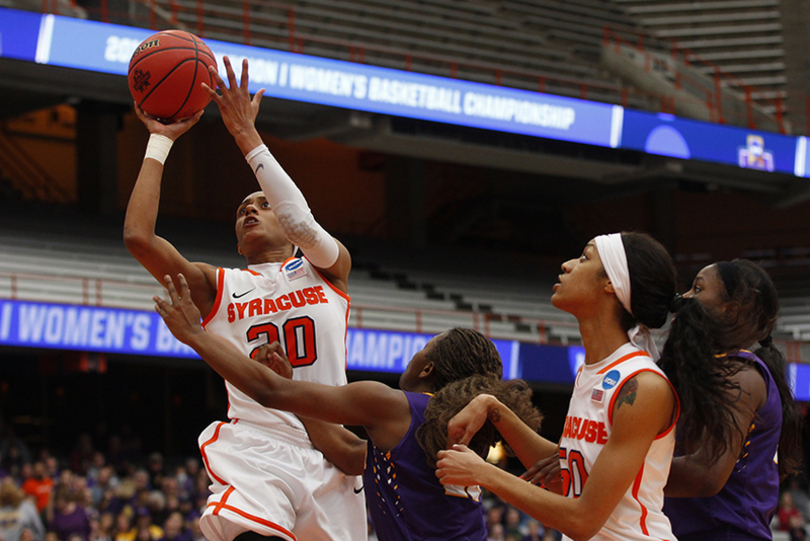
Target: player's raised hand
{"points": [[172, 130], [466, 423], [459, 466], [275, 358], [238, 109], [180, 314]]}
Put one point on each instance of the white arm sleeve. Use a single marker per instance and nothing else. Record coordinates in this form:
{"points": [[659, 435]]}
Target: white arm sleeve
{"points": [[291, 209]]}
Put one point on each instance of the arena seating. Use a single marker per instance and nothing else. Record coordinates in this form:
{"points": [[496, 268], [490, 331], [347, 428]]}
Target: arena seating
{"points": [[71, 269], [742, 37]]}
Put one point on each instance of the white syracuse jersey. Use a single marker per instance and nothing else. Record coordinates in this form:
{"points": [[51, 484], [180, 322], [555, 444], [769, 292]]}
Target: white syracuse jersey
{"points": [[289, 302], [588, 425]]}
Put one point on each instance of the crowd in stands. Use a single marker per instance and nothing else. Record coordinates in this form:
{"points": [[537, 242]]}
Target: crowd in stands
{"points": [[119, 495]]}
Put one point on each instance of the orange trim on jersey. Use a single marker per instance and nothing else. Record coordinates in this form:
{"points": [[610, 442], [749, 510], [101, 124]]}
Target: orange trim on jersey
{"points": [[346, 334], [218, 299], [677, 401], [205, 457], [622, 359], [330, 284], [636, 488], [253, 272], [272, 525]]}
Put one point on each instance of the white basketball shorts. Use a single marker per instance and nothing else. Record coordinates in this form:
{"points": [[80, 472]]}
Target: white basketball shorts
{"points": [[273, 482]]}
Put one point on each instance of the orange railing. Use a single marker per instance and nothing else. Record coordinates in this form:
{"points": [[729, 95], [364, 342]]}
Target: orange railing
{"points": [[712, 89], [269, 24]]}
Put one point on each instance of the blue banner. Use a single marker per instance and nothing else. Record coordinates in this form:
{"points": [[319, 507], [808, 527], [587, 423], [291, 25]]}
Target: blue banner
{"points": [[87, 328], [107, 48], [667, 135], [550, 364], [19, 32], [135, 332], [799, 379]]}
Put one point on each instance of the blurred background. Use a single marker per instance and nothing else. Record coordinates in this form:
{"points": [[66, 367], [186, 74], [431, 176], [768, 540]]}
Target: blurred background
{"points": [[561, 121]]}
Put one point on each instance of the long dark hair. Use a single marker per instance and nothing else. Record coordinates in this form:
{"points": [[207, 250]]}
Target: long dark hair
{"points": [[696, 360]]}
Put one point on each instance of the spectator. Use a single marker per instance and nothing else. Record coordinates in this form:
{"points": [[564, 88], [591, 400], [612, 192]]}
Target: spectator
{"points": [[195, 531], [801, 499], [496, 533], [39, 486], [174, 529], [105, 481], [534, 531], [68, 518], [513, 523], [143, 519], [785, 511], [156, 469], [17, 514], [797, 531], [123, 526], [51, 467], [105, 526]]}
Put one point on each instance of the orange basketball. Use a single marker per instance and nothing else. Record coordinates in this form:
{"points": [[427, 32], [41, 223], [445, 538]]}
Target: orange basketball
{"points": [[165, 74]]}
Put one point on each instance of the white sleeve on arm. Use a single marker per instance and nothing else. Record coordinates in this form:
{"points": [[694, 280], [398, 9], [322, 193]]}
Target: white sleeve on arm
{"points": [[291, 209]]}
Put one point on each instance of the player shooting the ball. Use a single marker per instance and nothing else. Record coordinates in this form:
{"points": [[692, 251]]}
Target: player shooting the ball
{"points": [[268, 480]]}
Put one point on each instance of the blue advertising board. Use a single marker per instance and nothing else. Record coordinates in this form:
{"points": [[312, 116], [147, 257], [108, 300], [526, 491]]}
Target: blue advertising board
{"points": [[19, 33], [667, 135], [549, 364], [136, 332], [107, 48], [87, 328], [799, 379]]}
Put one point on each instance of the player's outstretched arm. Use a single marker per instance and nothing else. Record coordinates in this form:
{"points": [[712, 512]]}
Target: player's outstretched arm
{"points": [[528, 445], [155, 253], [636, 423], [341, 447], [288, 203], [383, 411]]}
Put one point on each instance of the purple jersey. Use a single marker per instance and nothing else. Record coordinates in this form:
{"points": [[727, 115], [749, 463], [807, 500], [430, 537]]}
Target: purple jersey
{"points": [[405, 498], [743, 509]]}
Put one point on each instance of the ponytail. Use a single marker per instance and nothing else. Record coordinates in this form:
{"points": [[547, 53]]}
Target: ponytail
{"points": [[692, 360], [790, 444]]}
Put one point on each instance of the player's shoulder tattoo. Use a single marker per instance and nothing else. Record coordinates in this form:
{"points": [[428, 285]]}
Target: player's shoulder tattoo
{"points": [[627, 394]]}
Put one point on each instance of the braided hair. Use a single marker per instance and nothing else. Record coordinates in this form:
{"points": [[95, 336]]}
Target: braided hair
{"points": [[462, 353]]}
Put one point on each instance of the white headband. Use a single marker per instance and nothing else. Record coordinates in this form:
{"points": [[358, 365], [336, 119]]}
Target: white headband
{"points": [[614, 260]]}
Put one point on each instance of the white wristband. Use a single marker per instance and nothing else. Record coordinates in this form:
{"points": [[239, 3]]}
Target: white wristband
{"points": [[158, 147]]}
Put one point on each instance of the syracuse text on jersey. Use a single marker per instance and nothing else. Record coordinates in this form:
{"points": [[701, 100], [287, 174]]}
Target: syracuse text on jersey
{"points": [[585, 429], [260, 307]]}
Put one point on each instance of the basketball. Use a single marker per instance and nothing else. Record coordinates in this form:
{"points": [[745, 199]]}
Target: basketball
{"points": [[165, 74]]}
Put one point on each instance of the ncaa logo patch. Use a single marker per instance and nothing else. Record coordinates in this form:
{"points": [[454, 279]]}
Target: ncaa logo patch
{"points": [[611, 379], [295, 269]]}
